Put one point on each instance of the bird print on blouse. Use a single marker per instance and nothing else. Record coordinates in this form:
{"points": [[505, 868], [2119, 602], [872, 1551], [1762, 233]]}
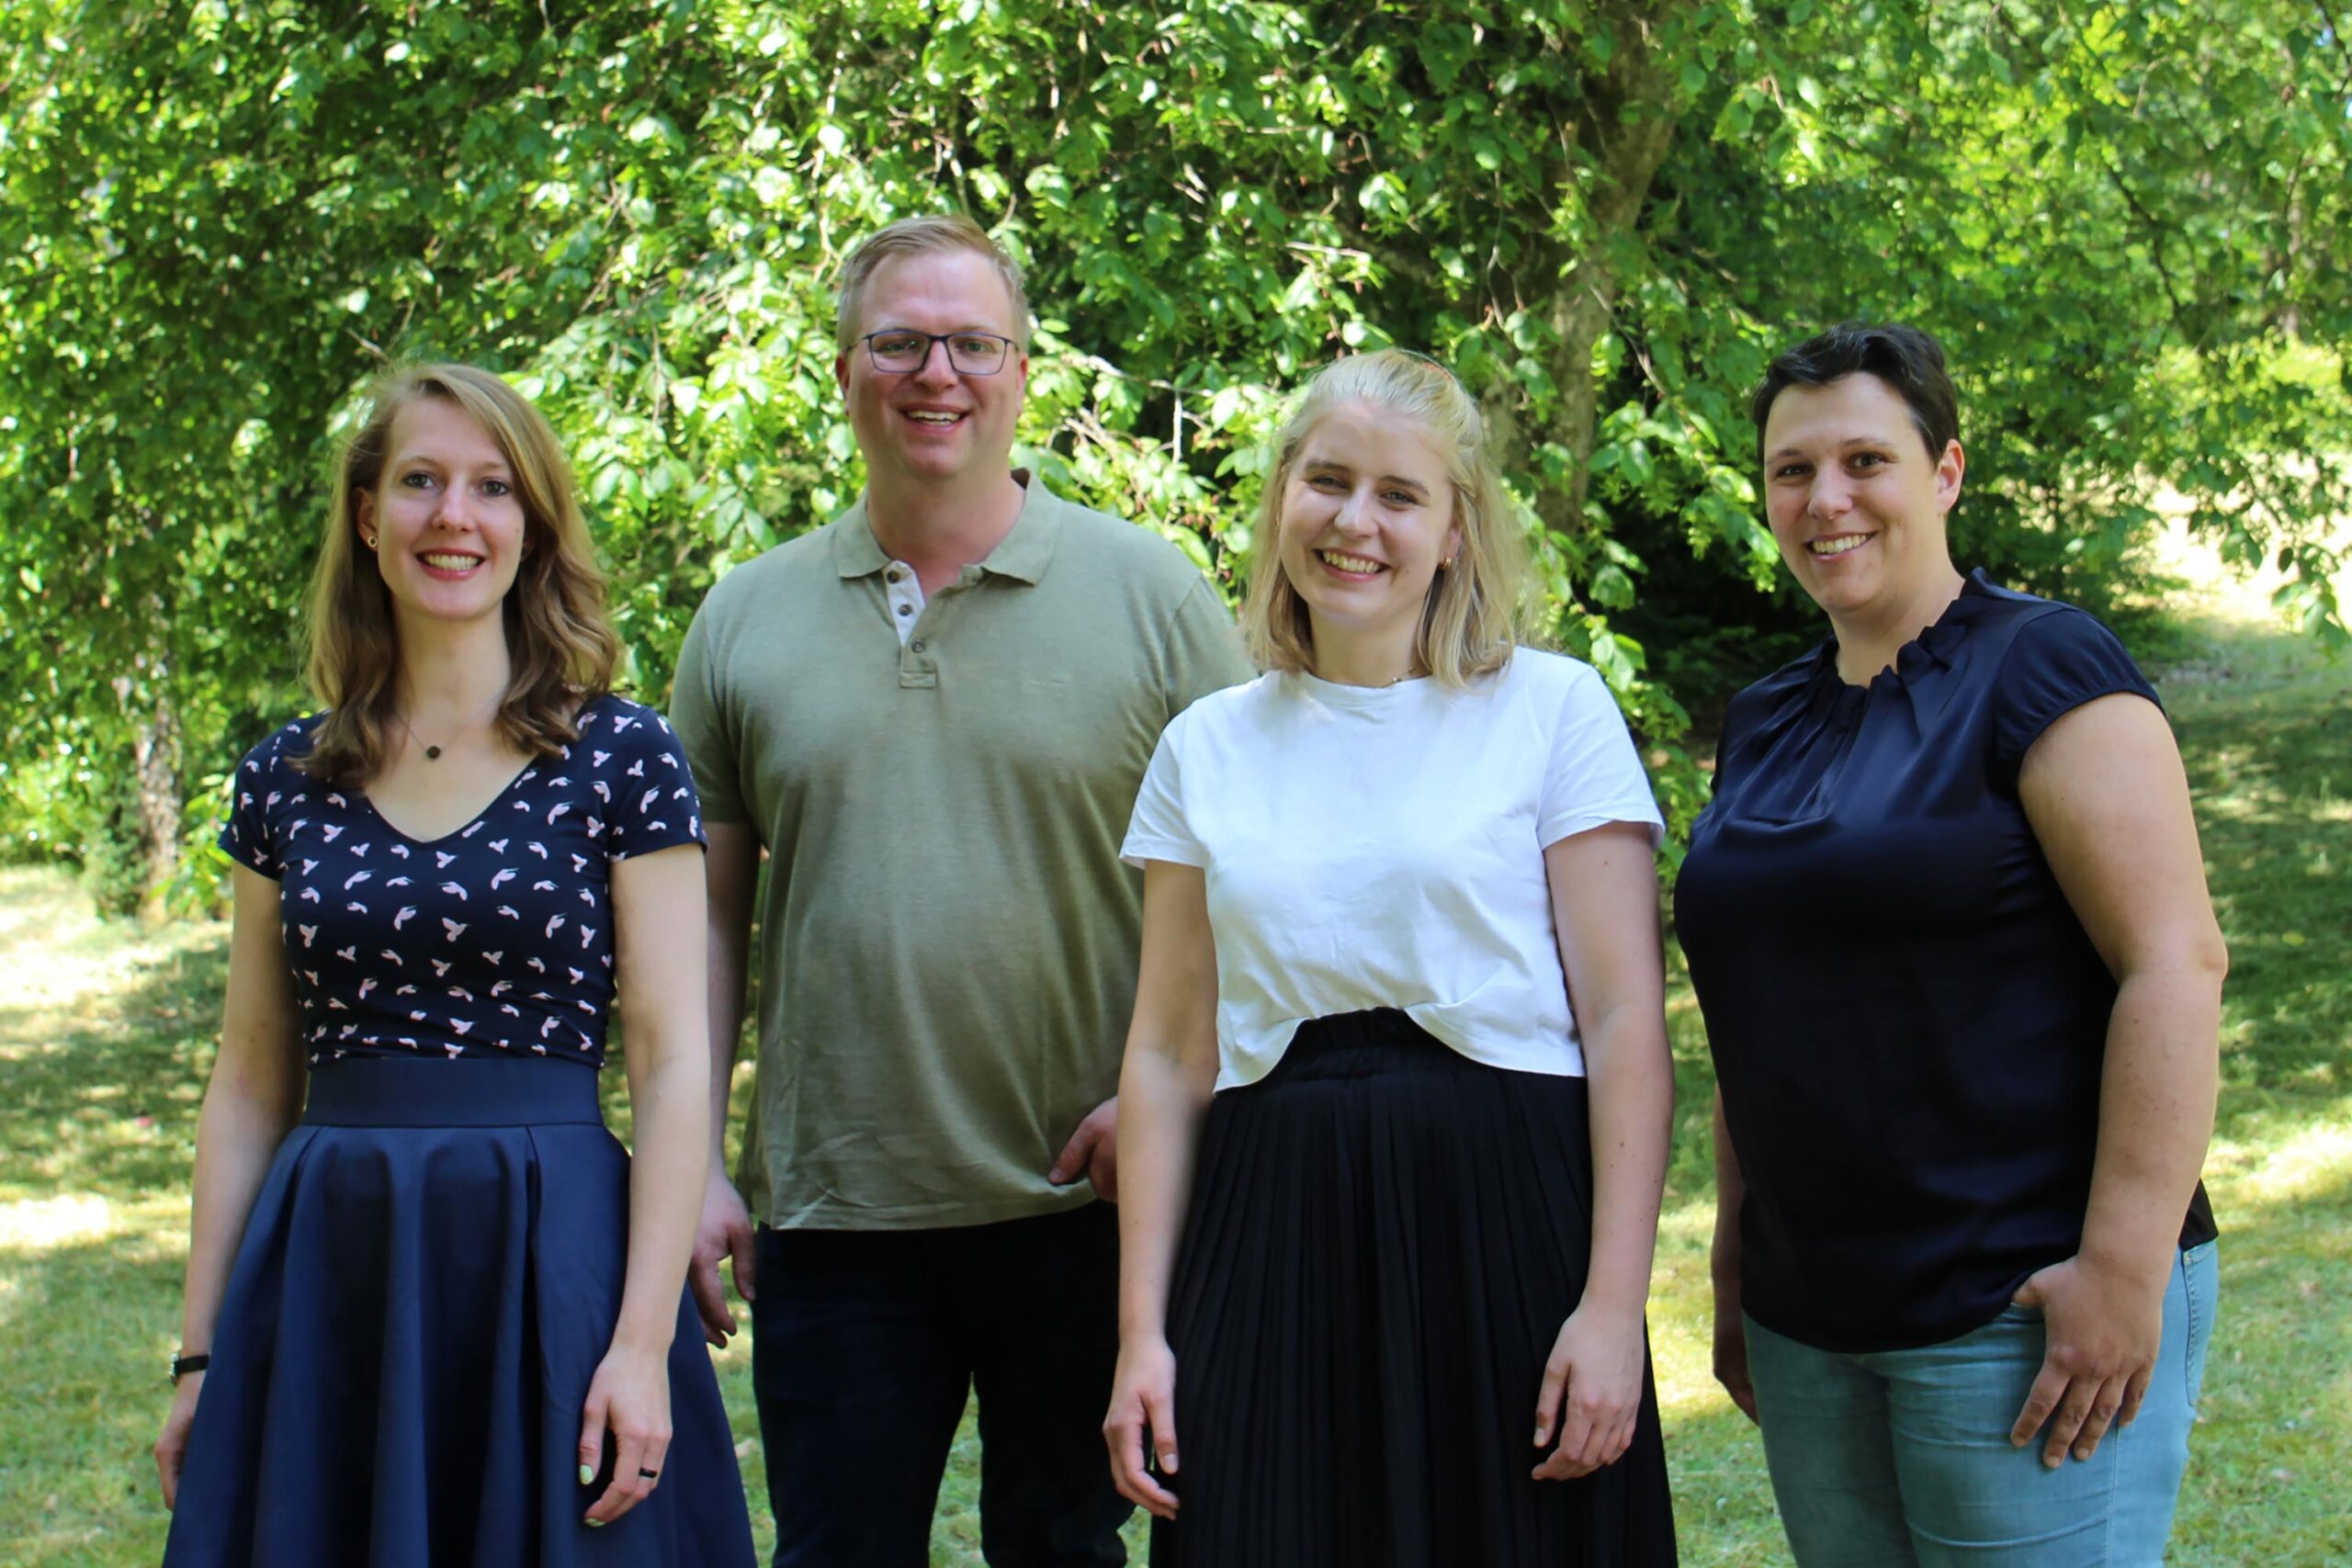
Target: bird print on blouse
{"points": [[495, 939]]}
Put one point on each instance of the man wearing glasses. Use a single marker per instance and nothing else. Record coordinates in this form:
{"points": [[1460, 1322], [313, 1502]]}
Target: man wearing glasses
{"points": [[933, 714]]}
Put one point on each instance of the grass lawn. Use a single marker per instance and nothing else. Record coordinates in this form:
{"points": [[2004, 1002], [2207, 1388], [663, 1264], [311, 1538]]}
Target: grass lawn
{"points": [[106, 1036]]}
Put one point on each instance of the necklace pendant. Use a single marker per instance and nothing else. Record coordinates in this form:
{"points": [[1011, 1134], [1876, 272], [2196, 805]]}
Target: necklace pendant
{"points": [[433, 753]]}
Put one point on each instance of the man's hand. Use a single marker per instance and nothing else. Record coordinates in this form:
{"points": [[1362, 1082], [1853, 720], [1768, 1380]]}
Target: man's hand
{"points": [[1092, 1152], [2103, 1329], [724, 1231]]}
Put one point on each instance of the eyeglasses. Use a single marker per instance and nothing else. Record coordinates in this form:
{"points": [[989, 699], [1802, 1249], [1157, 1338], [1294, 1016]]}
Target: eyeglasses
{"points": [[898, 350]]}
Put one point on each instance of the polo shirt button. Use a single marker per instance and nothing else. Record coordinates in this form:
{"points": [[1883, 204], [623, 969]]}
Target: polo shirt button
{"points": [[916, 645], [906, 609], [896, 572]]}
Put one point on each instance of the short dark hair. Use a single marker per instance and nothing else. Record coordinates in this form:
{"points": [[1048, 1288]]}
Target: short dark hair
{"points": [[1910, 361]]}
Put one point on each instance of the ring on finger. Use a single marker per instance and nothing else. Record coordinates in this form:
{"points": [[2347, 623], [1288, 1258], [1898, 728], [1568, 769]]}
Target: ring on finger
{"points": [[649, 1475]]}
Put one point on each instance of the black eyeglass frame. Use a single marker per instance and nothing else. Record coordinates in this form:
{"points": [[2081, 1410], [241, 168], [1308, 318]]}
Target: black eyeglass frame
{"points": [[941, 340]]}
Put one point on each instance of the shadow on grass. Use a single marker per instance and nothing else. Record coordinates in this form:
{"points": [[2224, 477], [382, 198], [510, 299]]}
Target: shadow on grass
{"points": [[2274, 1433], [1724, 1516], [2271, 774], [84, 1329], [109, 1104]]}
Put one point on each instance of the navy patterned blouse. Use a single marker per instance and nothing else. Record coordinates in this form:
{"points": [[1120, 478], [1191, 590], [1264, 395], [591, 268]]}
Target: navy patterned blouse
{"points": [[1908, 1022], [497, 937]]}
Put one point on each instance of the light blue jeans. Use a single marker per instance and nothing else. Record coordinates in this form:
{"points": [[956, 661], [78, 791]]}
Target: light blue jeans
{"points": [[1901, 1457]]}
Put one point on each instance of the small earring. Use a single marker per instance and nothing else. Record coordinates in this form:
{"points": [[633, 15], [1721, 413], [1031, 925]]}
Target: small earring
{"points": [[369, 539]]}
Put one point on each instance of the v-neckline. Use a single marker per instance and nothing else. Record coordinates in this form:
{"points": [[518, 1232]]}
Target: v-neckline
{"points": [[463, 828]]}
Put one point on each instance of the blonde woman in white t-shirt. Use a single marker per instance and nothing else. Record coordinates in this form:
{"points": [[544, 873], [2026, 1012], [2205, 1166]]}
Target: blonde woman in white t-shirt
{"points": [[1392, 1123]]}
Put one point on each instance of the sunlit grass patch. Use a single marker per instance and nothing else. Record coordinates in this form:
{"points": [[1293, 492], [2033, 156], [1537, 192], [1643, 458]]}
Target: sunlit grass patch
{"points": [[106, 1037]]}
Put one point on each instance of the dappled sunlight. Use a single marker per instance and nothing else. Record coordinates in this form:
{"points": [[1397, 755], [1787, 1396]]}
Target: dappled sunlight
{"points": [[104, 1039], [106, 1028], [36, 1225], [2313, 1162], [2213, 592], [57, 954]]}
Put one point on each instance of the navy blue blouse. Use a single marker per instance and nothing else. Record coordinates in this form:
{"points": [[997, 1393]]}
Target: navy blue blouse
{"points": [[1908, 1022], [496, 939]]}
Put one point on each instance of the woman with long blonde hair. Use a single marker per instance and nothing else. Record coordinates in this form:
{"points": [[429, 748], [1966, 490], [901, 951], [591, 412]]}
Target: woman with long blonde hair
{"points": [[1392, 1121], [435, 1312]]}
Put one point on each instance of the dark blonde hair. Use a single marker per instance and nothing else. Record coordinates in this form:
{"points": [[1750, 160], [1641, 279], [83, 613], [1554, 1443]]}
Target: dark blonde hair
{"points": [[562, 646], [934, 233], [1476, 611]]}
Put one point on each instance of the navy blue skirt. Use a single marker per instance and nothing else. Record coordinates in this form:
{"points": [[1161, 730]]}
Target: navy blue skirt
{"points": [[428, 1279], [1384, 1239]]}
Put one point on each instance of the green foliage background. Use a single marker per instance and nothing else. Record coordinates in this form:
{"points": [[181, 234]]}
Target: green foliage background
{"points": [[2127, 221]]}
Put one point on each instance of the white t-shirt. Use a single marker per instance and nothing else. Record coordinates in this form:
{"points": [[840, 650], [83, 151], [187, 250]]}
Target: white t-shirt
{"points": [[1382, 847]]}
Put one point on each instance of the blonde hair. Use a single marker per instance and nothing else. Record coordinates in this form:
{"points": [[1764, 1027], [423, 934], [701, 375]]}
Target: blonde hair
{"points": [[562, 646], [1476, 609], [935, 233]]}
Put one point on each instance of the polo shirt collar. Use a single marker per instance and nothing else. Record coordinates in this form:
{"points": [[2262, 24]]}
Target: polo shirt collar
{"points": [[1024, 553]]}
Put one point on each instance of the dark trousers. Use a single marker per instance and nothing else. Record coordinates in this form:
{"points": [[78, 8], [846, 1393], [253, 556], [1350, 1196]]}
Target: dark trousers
{"points": [[864, 1346]]}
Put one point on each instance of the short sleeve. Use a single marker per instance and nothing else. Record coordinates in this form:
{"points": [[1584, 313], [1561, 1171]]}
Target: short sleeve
{"points": [[247, 835], [1593, 776], [701, 724], [2057, 661], [654, 805], [1158, 830], [1203, 652]]}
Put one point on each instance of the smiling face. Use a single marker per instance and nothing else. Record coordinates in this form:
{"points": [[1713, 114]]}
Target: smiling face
{"points": [[1367, 515], [1857, 502], [934, 425], [448, 523]]}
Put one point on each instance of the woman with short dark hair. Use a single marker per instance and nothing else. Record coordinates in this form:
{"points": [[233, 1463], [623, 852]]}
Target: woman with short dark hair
{"points": [[1947, 919], [435, 1312]]}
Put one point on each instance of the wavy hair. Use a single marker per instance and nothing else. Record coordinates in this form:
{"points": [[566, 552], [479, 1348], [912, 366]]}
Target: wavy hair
{"points": [[1477, 609], [558, 641]]}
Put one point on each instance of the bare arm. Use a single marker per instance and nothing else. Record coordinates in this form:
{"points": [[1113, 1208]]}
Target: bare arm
{"points": [[253, 1099], [657, 899], [2103, 790], [1164, 1089], [732, 873], [1604, 903]]}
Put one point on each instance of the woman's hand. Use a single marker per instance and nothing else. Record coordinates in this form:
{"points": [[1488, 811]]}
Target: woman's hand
{"points": [[1730, 1354], [1143, 1407], [2104, 1329], [171, 1447], [1722, 1267], [629, 1396], [1597, 1363]]}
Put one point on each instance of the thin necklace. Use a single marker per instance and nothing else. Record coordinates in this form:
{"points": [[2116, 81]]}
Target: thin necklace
{"points": [[433, 753]]}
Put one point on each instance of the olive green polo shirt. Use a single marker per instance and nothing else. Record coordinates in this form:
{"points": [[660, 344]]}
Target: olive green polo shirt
{"points": [[947, 935]]}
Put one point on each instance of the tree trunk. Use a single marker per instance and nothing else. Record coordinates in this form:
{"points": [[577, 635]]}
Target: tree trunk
{"points": [[156, 799], [1626, 125]]}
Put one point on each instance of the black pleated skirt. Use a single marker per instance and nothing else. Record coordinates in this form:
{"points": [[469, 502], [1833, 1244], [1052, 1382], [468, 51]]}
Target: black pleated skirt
{"points": [[1384, 1239], [428, 1279]]}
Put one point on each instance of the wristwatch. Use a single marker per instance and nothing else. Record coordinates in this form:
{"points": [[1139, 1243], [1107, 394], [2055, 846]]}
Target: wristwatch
{"points": [[184, 1364]]}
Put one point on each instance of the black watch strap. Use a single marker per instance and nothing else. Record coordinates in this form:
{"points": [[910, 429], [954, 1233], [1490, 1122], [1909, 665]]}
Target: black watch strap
{"points": [[197, 1363]]}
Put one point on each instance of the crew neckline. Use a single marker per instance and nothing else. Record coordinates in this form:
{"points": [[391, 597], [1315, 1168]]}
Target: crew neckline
{"points": [[1340, 694]]}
